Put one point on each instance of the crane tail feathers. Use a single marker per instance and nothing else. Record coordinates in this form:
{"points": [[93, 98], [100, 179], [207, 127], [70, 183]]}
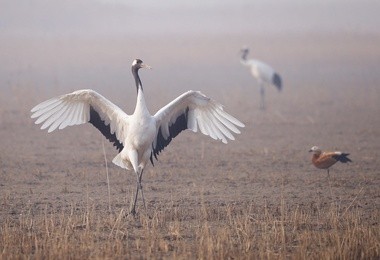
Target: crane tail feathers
{"points": [[119, 162], [276, 80]]}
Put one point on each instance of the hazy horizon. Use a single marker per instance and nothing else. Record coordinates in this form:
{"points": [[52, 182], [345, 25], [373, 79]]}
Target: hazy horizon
{"points": [[91, 44], [113, 17]]}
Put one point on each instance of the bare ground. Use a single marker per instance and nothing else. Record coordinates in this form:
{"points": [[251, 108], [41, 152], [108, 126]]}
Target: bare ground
{"points": [[267, 167]]}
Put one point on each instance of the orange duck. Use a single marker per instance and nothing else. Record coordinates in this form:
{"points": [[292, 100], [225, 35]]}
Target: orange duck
{"points": [[324, 160]]}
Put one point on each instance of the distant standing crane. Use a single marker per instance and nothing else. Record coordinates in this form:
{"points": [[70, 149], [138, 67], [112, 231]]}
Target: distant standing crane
{"points": [[263, 73], [139, 137]]}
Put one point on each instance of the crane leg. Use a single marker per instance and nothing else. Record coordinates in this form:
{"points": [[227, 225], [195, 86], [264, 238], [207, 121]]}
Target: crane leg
{"points": [[142, 192], [133, 207], [262, 96], [138, 188]]}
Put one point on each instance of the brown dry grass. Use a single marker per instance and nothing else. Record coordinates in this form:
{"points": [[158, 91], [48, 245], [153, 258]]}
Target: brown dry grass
{"points": [[244, 231]]}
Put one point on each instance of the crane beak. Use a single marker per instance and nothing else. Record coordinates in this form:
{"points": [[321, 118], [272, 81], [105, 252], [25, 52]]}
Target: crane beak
{"points": [[146, 66], [310, 151]]}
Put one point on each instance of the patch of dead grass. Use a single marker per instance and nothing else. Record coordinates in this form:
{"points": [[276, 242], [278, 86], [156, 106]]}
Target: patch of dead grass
{"points": [[205, 231]]}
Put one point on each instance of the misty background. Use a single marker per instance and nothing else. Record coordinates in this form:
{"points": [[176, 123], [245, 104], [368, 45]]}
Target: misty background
{"points": [[50, 47]]}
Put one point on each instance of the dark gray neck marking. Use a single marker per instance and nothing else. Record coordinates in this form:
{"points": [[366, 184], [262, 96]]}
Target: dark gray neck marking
{"points": [[244, 54], [135, 73]]}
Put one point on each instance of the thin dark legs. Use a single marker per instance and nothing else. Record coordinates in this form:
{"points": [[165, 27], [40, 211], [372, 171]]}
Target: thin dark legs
{"points": [[138, 188], [262, 96]]}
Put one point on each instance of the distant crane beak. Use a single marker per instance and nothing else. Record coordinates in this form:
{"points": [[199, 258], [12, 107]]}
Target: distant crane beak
{"points": [[310, 151], [146, 66]]}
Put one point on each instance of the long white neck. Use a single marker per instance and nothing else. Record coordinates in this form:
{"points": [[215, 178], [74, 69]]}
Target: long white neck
{"points": [[244, 62], [141, 107]]}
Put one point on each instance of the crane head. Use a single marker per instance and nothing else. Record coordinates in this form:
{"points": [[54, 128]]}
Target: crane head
{"points": [[244, 49], [244, 52], [138, 64]]}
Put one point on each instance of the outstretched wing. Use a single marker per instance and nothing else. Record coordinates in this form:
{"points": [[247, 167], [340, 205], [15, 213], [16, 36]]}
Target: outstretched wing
{"points": [[80, 107], [193, 110]]}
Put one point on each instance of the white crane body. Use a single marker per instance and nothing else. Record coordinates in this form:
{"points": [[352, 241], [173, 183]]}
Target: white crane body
{"points": [[139, 137], [263, 73]]}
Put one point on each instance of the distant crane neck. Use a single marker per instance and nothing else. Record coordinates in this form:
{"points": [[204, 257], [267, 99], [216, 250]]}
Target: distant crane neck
{"points": [[243, 59], [244, 54]]}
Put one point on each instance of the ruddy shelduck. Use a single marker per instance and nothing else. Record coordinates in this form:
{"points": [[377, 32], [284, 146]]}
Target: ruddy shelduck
{"points": [[324, 160]]}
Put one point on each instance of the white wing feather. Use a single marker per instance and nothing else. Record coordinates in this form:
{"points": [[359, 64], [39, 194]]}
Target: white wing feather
{"points": [[204, 114], [74, 109]]}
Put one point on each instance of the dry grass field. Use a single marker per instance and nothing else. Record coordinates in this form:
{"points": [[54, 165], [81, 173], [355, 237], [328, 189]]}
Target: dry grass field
{"points": [[257, 197]]}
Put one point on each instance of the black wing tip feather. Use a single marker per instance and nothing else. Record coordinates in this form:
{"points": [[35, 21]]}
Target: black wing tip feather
{"points": [[343, 158], [277, 81], [96, 121], [179, 125]]}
